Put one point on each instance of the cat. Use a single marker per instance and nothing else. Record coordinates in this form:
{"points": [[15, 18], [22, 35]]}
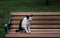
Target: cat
{"points": [[24, 24]]}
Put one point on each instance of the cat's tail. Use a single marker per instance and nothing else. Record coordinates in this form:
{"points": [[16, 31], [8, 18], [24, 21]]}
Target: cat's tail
{"points": [[17, 30]]}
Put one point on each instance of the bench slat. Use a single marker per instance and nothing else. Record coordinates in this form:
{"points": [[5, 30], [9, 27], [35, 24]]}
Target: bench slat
{"points": [[39, 26], [39, 22], [37, 17], [35, 13]]}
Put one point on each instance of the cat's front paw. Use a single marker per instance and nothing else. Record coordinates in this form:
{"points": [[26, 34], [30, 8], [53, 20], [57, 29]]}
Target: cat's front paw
{"points": [[29, 31]]}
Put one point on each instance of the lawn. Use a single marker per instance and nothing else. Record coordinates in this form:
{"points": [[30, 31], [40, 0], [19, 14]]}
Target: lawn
{"points": [[8, 6]]}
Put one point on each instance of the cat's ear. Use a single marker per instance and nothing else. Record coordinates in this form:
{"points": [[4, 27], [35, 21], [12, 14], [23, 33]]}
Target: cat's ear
{"points": [[31, 15], [27, 17]]}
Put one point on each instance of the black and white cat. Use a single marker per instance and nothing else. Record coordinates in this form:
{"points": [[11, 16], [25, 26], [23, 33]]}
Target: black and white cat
{"points": [[24, 24]]}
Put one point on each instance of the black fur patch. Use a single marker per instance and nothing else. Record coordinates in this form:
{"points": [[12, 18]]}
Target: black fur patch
{"points": [[20, 27]]}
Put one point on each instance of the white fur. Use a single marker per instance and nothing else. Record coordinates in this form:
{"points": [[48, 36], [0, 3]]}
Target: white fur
{"points": [[26, 24]]}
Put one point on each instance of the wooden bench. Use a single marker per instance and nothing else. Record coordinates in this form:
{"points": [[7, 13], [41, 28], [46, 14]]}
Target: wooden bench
{"points": [[43, 25]]}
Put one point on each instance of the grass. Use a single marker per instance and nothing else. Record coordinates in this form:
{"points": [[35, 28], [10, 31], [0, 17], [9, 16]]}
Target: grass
{"points": [[7, 6], [37, 8], [2, 33]]}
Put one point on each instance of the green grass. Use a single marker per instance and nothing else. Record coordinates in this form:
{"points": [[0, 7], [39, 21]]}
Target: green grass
{"points": [[2, 33], [37, 8], [7, 6]]}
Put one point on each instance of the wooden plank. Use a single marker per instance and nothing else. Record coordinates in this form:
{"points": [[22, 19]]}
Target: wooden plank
{"points": [[39, 22], [38, 26], [35, 13], [32, 35], [40, 30], [38, 17]]}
